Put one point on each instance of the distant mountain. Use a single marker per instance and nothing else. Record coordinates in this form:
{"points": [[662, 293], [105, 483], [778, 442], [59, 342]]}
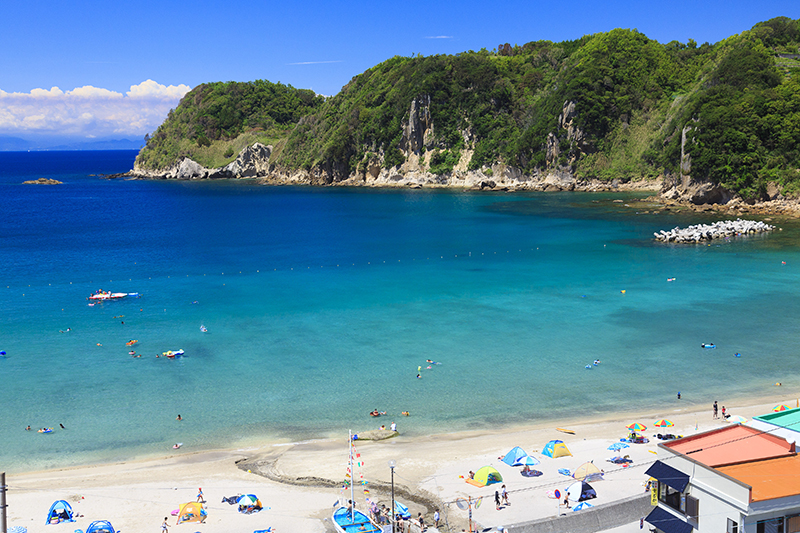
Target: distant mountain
{"points": [[107, 144], [13, 144], [16, 144]]}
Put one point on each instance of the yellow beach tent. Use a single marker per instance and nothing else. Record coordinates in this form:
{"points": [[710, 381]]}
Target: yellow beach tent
{"points": [[191, 512], [588, 472], [485, 476]]}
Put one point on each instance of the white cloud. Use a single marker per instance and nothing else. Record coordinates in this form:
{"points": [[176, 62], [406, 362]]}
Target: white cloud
{"points": [[88, 111]]}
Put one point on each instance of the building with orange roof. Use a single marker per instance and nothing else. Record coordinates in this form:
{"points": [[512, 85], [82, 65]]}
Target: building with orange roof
{"points": [[735, 479]]}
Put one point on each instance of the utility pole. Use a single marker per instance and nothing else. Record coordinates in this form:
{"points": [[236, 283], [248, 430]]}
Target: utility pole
{"points": [[3, 506]]}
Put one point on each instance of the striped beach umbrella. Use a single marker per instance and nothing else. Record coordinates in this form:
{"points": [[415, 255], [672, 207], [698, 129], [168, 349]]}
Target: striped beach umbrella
{"points": [[617, 446], [737, 419], [636, 427], [664, 423], [781, 407]]}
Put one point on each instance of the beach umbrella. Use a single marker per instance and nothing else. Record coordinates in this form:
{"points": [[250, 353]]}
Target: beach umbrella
{"points": [[737, 419], [664, 424], [529, 461], [581, 506], [617, 446], [248, 500], [781, 407], [636, 427]]}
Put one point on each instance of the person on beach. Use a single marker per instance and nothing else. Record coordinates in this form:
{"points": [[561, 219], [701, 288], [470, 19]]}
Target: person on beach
{"points": [[504, 494], [436, 519], [566, 501], [393, 426], [723, 412], [497, 500], [200, 495], [164, 526], [715, 409]]}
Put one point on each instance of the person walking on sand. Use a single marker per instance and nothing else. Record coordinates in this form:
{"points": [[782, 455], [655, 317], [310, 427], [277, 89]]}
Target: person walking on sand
{"points": [[504, 494], [497, 500], [164, 526], [715, 409], [200, 495]]}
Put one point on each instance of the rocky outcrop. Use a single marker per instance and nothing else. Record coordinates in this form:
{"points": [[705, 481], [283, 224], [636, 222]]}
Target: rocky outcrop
{"points": [[43, 181], [697, 192], [252, 162]]}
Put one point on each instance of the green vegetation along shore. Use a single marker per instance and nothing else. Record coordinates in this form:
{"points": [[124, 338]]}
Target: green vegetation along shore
{"points": [[614, 105]]}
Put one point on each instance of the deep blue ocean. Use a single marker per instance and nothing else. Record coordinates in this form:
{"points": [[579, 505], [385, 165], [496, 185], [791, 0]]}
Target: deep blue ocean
{"points": [[321, 304]]}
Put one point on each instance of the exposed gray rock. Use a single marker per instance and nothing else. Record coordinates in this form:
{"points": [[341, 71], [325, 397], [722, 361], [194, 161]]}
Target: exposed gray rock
{"points": [[419, 126], [187, 169], [552, 149], [252, 161]]}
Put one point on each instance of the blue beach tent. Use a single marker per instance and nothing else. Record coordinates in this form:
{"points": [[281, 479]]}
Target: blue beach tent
{"points": [[101, 526], [60, 511], [514, 457]]}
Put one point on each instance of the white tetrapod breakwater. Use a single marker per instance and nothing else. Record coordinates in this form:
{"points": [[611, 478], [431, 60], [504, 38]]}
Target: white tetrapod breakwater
{"points": [[717, 230]]}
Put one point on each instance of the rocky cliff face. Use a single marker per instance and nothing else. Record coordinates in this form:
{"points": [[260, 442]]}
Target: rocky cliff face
{"points": [[417, 144]]}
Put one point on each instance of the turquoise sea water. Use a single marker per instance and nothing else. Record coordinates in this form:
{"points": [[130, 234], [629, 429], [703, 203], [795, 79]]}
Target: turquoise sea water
{"points": [[321, 304]]}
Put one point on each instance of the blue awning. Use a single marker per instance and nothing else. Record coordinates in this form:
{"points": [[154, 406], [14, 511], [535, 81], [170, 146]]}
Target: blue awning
{"points": [[666, 474], [667, 522]]}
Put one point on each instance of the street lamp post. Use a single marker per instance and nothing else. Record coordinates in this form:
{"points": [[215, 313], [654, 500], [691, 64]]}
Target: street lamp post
{"points": [[392, 464]]}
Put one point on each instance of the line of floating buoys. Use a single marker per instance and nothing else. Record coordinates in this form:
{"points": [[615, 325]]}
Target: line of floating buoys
{"points": [[456, 256]]}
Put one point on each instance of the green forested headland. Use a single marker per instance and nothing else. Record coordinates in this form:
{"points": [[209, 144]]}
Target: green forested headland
{"points": [[605, 106]]}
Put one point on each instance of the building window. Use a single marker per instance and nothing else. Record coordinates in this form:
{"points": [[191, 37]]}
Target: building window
{"points": [[733, 527], [669, 496], [774, 525]]}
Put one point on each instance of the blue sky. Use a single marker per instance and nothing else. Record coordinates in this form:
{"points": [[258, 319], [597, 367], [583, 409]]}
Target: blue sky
{"points": [[118, 67]]}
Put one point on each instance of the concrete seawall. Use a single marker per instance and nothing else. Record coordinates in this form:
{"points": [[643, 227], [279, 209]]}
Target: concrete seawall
{"points": [[590, 520]]}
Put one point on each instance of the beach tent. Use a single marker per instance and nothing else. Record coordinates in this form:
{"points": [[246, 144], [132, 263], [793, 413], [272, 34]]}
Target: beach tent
{"points": [[556, 448], [60, 511], [580, 491], [588, 472], [191, 512], [100, 526], [514, 457], [485, 476]]}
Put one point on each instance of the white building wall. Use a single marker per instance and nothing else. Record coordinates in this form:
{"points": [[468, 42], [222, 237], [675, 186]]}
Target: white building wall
{"points": [[719, 497]]}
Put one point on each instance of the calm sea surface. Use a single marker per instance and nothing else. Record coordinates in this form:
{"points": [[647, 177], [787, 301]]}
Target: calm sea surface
{"points": [[321, 304]]}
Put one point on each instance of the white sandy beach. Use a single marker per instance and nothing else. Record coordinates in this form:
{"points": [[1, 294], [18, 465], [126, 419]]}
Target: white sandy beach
{"points": [[137, 495]]}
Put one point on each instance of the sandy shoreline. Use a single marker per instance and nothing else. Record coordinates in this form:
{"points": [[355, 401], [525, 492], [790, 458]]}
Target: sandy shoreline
{"points": [[137, 495]]}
